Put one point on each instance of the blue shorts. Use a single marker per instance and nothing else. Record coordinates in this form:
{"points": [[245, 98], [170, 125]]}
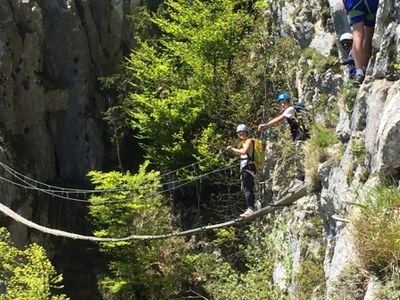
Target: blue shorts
{"points": [[362, 10]]}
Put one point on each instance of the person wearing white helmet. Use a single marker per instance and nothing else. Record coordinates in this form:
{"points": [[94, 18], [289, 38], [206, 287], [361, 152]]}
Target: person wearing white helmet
{"points": [[346, 41], [346, 36], [247, 167]]}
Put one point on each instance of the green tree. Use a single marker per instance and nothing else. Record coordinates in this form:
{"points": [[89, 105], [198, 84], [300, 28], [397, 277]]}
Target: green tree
{"points": [[27, 274], [185, 83], [209, 66], [134, 205]]}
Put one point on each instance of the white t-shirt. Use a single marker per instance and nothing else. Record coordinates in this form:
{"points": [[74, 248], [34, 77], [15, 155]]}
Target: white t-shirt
{"points": [[289, 112]]}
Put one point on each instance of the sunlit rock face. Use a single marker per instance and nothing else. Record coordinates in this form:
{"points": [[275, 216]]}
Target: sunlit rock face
{"points": [[372, 119]]}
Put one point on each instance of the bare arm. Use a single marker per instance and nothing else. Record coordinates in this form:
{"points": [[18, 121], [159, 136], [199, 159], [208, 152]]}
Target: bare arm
{"points": [[245, 149], [274, 121]]}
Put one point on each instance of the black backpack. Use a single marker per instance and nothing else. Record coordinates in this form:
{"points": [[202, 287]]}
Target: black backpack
{"points": [[303, 120]]}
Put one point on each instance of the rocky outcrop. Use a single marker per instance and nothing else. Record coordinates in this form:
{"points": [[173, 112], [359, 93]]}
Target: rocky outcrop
{"points": [[52, 53], [309, 22], [375, 123], [369, 123]]}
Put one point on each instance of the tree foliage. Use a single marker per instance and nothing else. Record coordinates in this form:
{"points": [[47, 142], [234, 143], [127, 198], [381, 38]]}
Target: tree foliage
{"points": [[26, 274], [208, 66], [246, 272], [180, 80], [135, 206]]}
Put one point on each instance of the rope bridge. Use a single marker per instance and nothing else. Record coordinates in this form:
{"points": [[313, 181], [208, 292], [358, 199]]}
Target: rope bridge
{"points": [[285, 201]]}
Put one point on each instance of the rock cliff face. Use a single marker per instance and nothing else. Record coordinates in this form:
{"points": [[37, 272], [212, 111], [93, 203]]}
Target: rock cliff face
{"points": [[52, 53], [372, 120]]}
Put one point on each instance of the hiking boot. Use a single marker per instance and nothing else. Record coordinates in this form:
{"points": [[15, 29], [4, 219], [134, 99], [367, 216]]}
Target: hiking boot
{"points": [[358, 79], [247, 213]]}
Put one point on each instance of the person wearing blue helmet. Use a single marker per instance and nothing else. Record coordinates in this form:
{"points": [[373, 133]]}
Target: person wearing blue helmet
{"points": [[288, 112], [247, 167]]}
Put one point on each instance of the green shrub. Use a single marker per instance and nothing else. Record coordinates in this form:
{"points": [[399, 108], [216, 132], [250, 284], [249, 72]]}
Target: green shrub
{"points": [[225, 236], [316, 151], [27, 274], [322, 136], [317, 61], [286, 157], [309, 279], [247, 274], [347, 97], [358, 149], [137, 268], [309, 276], [349, 284], [375, 230], [357, 168], [390, 290]]}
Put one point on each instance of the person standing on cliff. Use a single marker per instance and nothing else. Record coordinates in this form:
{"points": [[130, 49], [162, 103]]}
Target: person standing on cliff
{"points": [[247, 167], [362, 17], [288, 112]]}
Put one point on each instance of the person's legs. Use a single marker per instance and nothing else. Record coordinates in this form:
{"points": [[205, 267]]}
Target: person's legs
{"points": [[358, 52], [358, 42], [367, 45], [248, 189], [362, 16], [369, 25]]}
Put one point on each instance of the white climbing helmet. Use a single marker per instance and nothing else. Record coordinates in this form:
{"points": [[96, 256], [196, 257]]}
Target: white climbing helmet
{"points": [[241, 127], [346, 36]]}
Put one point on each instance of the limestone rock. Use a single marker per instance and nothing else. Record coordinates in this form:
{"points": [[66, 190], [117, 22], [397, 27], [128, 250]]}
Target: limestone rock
{"points": [[388, 158], [52, 53], [309, 22]]}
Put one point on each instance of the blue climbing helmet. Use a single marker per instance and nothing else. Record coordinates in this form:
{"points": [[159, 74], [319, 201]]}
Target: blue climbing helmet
{"points": [[241, 127], [282, 97]]}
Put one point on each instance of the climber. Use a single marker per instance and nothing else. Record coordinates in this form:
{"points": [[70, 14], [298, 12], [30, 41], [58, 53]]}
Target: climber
{"points": [[247, 167], [362, 16], [346, 40], [297, 129]]}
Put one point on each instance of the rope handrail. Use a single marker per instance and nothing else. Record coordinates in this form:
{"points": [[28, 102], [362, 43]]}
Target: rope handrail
{"points": [[285, 201], [59, 189], [168, 189]]}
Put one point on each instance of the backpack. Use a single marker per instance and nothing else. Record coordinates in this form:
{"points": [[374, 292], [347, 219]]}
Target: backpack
{"points": [[302, 117], [258, 153]]}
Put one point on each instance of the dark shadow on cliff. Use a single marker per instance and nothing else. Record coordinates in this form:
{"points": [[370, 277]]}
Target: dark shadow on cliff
{"points": [[79, 261]]}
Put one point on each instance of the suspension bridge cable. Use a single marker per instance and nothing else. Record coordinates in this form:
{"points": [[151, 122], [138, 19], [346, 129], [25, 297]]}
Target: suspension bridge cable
{"points": [[285, 201], [16, 217], [58, 189], [172, 184], [173, 187], [66, 190], [53, 188]]}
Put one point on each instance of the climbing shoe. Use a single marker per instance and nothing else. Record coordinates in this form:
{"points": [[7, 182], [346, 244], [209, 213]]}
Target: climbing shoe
{"points": [[247, 213], [357, 80]]}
